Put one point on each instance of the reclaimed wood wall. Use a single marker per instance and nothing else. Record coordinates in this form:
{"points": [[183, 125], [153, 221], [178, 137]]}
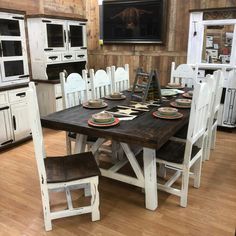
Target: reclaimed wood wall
{"points": [[146, 56], [56, 7]]}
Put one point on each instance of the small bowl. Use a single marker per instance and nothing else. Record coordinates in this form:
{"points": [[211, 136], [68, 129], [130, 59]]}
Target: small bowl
{"points": [[190, 93], [116, 95], [167, 111], [174, 85], [183, 102], [102, 117], [95, 103]]}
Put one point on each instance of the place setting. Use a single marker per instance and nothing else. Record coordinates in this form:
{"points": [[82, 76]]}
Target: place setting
{"points": [[95, 104], [103, 120], [181, 103], [168, 113], [174, 86], [115, 96], [189, 94], [169, 92]]}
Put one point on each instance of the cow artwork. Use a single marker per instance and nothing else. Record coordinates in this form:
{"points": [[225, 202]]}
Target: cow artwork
{"points": [[131, 19]]}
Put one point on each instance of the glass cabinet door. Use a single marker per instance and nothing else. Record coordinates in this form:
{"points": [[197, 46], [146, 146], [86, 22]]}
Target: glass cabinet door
{"points": [[13, 57], [55, 35], [9, 27], [76, 34], [10, 48], [217, 44]]}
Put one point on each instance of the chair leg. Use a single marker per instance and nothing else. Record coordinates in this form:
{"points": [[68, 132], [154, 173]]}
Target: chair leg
{"points": [[184, 190], [205, 147], [68, 145], [46, 209], [208, 147], [95, 199], [87, 190], [161, 170], [213, 137], [197, 173]]}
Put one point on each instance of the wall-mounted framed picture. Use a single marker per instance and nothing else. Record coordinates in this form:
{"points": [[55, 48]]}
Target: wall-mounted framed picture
{"points": [[134, 21]]}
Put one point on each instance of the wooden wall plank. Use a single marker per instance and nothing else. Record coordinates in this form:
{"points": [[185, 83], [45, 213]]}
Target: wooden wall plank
{"points": [[150, 56]]}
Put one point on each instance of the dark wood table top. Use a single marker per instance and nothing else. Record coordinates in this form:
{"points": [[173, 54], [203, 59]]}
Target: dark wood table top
{"points": [[145, 130]]}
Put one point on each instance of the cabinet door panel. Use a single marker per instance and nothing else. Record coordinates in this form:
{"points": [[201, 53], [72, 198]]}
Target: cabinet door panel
{"points": [[76, 35], [55, 35], [5, 126], [20, 120], [9, 27]]}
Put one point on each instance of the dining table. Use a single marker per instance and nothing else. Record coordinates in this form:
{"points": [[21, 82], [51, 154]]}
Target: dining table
{"points": [[145, 131]]}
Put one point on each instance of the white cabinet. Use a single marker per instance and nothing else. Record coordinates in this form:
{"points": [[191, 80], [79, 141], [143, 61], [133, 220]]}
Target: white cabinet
{"points": [[212, 46], [212, 38], [13, 54], [56, 44], [14, 124]]}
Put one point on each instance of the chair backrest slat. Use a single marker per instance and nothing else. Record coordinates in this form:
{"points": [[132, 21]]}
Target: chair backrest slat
{"points": [[199, 114], [100, 83], [120, 78], [184, 74], [219, 75], [74, 89], [200, 109]]}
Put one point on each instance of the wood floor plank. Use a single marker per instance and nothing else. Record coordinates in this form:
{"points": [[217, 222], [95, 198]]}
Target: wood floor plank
{"points": [[211, 208]]}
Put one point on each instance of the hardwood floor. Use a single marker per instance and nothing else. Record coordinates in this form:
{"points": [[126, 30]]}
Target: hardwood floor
{"points": [[211, 209]]}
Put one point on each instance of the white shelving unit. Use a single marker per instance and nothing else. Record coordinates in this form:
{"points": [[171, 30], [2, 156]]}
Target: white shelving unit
{"points": [[13, 54], [14, 75], [56, 44], [211, 47]]}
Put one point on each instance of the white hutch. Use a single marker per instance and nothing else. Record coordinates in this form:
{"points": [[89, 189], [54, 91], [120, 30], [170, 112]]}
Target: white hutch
{"points": [[14, 77], [56, 44], [212, 46]]}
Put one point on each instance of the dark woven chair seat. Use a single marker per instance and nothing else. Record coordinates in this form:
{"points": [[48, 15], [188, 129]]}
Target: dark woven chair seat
{"points": [[174, 152], [89, 139], [72, 167]]}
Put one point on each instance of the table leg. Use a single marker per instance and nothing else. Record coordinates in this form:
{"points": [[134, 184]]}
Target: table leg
{"points": [[149, 162], [80, 143]]}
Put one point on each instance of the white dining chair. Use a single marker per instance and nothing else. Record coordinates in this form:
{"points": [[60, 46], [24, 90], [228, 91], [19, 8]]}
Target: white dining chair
{"points": [[210, 134], [184, 74], [216, 107], [100, 83], [120, 78], [61, 173], [75, 91], [183, 155]]}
